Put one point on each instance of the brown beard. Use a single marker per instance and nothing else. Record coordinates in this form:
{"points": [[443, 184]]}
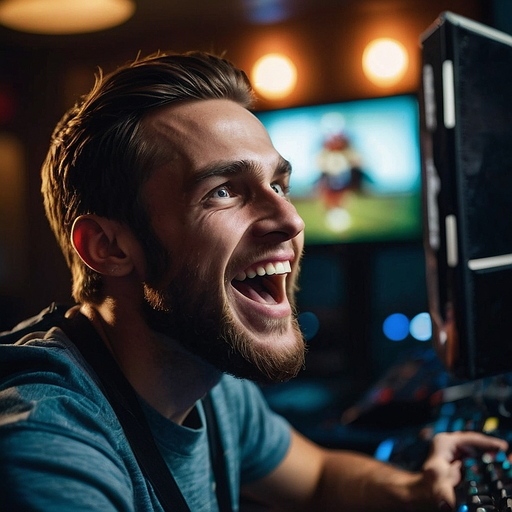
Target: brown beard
{"points": [[265, 365], [211, 333]]}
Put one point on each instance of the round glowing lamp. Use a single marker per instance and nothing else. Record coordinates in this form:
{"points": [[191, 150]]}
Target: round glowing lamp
{"points": [[421, 327], [274, 76], [64, 16], [385, 62], [396, 327]]}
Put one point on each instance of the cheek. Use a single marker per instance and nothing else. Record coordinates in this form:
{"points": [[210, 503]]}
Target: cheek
{"points": [[207, 252], [220, 231]]}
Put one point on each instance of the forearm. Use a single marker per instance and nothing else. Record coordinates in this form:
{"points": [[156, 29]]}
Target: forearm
{"points": [[311, 478], [357, 482]]}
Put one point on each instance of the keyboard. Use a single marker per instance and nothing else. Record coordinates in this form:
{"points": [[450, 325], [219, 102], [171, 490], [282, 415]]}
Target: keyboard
{"points": [[486, 484], [486, 479]]}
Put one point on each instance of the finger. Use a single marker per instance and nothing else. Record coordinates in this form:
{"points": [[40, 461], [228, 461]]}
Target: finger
{"points": [[452, 445]]}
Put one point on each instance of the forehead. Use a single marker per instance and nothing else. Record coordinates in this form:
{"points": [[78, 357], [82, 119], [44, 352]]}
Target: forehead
{"points": [[200, 131]]}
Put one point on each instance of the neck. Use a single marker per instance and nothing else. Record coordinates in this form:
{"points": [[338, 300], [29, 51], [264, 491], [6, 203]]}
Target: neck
{"points": [[162, 372]]}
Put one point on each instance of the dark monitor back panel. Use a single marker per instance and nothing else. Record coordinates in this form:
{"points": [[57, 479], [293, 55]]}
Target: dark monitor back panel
{"points": [[466, 141]]}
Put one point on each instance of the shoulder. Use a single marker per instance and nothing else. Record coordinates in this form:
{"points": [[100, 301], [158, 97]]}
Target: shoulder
{"points": [[49, 356], [58, 432], [261, 436], [44, 376]]}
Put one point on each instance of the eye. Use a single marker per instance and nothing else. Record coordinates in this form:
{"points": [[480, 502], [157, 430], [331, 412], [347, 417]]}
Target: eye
{"points": [[221, 196], [221, 193], [278, 189]]}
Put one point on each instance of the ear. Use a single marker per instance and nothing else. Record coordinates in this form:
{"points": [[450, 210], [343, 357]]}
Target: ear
{"points": [[103, 245]]}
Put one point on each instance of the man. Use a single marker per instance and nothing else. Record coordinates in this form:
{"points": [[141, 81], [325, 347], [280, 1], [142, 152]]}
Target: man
{"points": [[170, 205]]}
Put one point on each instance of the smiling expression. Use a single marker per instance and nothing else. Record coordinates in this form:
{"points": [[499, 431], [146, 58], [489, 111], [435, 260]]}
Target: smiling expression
{"points": [[219, 207]]}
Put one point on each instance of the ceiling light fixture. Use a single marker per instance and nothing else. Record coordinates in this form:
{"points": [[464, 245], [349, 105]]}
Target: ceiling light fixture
{"points": [[64, 16], [385, 61], [274, 76]]}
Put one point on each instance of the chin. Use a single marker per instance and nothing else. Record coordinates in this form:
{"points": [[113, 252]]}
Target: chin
{"points": [[265, 351], [278, 357]]}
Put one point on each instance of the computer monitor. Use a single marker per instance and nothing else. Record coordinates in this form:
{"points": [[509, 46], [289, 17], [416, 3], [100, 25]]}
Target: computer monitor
{"points": [[466, 121]]}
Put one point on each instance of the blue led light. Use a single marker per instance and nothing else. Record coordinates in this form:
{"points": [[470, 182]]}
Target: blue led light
{"points": [[421, 327], [396, 327], [501, 456], [384, 450]]}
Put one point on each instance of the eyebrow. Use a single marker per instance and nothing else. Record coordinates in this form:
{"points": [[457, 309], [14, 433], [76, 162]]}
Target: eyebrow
{"points": [[283, 167]]}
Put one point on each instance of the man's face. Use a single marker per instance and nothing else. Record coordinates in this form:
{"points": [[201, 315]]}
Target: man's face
{"points": [[220, 211]]}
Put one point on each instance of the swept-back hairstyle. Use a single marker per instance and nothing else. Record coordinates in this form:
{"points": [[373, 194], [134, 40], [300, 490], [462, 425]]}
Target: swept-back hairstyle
{"points": [[101, 154]]}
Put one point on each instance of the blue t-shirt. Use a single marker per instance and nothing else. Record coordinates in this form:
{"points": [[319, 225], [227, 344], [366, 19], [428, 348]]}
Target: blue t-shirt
{"points": [[62, 447]]}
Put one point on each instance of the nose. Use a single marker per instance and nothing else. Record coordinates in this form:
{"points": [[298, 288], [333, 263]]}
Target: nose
{"points": [[277, 218]]}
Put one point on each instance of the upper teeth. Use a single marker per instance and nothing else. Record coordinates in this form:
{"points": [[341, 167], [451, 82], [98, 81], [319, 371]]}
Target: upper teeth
{"points": [[280, 267]]}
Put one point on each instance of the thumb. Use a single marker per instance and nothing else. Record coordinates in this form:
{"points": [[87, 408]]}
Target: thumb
{"points": [[442, 477]]}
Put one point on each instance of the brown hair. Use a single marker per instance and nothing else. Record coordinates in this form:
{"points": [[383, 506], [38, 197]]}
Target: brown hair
{"points": [[100, 154]]}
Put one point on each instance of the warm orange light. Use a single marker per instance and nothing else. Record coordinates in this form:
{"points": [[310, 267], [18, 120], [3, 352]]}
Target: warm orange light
{"points": [[64, 16], [274, 76], [385, 62]]}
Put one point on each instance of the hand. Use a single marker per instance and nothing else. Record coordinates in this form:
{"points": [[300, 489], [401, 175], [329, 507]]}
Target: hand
{"points": [[442, 469]]}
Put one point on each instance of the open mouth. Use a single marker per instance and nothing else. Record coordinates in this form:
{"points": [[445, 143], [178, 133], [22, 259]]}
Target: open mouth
{"points": [[263, 283]]}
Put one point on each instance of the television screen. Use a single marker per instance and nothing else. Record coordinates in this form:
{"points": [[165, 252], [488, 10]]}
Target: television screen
{"points": [[356, 167]]}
